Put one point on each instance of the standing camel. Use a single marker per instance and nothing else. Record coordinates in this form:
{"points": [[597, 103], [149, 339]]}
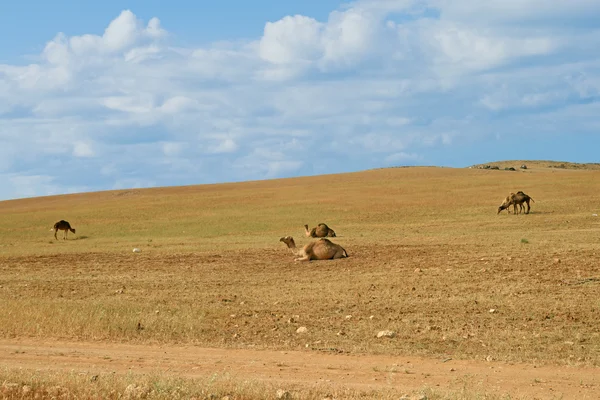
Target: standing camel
{"points": [[63, 226]]}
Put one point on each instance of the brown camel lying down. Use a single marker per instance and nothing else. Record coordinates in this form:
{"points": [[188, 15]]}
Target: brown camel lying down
{"points": [[321, 230], [322, 249]]}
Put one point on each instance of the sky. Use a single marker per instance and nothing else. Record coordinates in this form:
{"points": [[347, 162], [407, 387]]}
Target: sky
{"points": [[145, 93]]}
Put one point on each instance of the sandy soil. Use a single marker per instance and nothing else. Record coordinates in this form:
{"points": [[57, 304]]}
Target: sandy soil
{"points": [[306, 368]]}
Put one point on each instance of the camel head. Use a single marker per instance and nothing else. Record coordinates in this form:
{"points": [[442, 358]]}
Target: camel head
{"points": [[289, 241], [506, 203]]}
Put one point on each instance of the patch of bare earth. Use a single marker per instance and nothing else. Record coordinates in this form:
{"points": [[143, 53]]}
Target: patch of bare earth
{"points": [[504, 304], [305, 368]]}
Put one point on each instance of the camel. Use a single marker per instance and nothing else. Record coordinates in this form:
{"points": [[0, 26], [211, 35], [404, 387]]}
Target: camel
{"points": [[321, 230], [507, 201], [322, 249], [516, 199], [63, 226]]}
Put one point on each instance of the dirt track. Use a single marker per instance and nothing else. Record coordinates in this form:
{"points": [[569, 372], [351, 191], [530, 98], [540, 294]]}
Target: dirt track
{"points": [[306, 368]]}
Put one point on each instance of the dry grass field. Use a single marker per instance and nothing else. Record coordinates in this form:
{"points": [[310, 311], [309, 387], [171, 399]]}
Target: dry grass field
{"points": [[464, 289]]}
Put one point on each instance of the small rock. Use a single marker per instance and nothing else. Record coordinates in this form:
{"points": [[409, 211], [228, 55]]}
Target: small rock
{"points": [[136, 250], [492, 310], [594, 215], [557, 260], [302, 329], [348, 316], [283, 394], [418, 270], [388, 334]]}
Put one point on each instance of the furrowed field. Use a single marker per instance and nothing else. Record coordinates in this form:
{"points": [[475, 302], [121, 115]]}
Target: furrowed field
{"points": [[430, 259]]}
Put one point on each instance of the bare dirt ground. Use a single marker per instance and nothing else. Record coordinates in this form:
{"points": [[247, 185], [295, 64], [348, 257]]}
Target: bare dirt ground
{"points": [[305, 368], [498, 304]]}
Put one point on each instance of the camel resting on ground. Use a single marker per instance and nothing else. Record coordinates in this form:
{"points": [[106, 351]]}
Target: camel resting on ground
{"points": [[515, 199], [322, 249], [63, 226], [321, 230]]}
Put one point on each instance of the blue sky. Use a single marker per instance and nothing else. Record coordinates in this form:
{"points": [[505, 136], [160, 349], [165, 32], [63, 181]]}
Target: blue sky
{"points": [[111, 95]]}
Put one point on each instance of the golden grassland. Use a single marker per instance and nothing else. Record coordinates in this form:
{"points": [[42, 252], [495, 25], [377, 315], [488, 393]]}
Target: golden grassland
{"points": [[83, 386], [429, 259]]}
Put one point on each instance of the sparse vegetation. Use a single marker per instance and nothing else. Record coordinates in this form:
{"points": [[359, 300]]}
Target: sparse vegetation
{"points": [[212, 273], [31, 384]]}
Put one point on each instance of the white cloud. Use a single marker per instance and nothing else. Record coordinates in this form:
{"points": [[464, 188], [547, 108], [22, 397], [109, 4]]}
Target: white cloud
{"points": [[172, 149], [122, 33], [82, 149], [226, 146], [349, 36], [471, 49], [516, 11], [292, 39], [377, 82]]}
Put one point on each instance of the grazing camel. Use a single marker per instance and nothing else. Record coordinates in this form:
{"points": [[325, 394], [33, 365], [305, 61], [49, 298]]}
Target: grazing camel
{"points": [[321, 230], [322, 249], [63, 226], [516, 199], [506, 202]]}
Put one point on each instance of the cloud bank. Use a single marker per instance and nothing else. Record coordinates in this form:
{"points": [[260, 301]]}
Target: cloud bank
{"points": [[379, 83]]}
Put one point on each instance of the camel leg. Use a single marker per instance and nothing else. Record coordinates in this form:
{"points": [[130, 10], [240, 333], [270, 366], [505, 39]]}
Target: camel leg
{"points": [[528, 208], [305, 258], [55, 232]]}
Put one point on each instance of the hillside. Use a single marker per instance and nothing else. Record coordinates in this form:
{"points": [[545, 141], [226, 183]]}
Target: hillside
{"points": [[430, 259], [538, 164]]}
